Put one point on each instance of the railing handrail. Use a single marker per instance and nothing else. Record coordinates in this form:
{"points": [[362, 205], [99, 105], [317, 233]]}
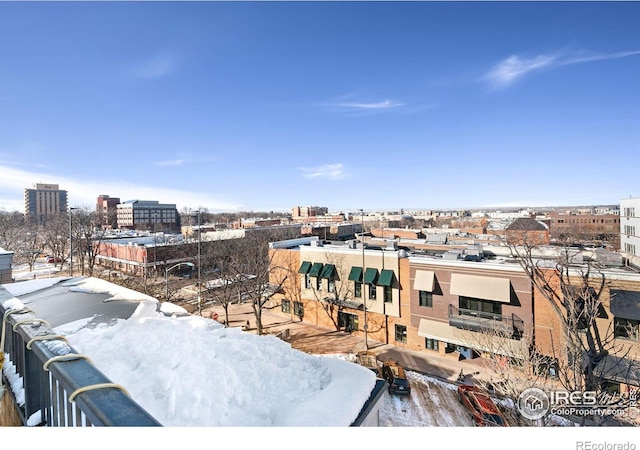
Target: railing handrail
{"points": [[51, 373]]}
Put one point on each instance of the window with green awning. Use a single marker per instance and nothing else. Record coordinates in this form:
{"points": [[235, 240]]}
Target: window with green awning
{"points": [[305, 267], [386, 278], [370, 275], [328, 271], [356, 274], [315, 269]]}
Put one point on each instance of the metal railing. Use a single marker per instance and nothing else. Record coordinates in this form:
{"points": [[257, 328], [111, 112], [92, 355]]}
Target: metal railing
{"points": [[506, 325], [52, 385]]}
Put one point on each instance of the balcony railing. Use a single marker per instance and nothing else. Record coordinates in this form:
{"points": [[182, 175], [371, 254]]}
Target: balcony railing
{"points": [[505, 325], [52, 385]]}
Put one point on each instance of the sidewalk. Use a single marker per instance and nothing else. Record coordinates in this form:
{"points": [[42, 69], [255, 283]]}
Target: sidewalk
{"points": [[319, 340]]}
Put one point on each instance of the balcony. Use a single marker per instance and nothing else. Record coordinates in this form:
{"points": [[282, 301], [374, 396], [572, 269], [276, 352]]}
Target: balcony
{"points": [[510, 326], [52, 385]]}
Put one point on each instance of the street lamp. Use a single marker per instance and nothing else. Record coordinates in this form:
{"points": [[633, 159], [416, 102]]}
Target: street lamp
{"points": [[71, 241], [199, 277], [366, 325], [166, 277]]}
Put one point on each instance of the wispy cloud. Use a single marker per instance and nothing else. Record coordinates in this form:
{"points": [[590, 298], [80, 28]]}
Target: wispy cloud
{"points": [[508, 71], [329, 171], [177, 162], [157, 66], [352, 105], [514, 68], [386, 104]]}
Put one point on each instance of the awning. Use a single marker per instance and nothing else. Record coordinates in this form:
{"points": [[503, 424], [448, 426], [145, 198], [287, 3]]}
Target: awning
{"points": [[488, 288], [328, 271], [424, 281], [625, 304], [370, 275], [356, 274], [315, 269], [622, 370], [386, 278], [441, 331], [304, 267]]}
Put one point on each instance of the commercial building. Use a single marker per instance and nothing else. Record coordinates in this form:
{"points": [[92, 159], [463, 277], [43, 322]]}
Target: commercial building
{"points": [[463, 303], [107, 207], [44, 201], [148, 215]]}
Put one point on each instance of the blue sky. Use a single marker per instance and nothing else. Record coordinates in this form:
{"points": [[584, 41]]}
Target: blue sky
{"points": [[268, 105]]}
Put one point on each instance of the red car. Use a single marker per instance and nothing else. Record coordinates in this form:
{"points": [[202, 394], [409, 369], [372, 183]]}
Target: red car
{"points": [[53, 260], [484, 412]]}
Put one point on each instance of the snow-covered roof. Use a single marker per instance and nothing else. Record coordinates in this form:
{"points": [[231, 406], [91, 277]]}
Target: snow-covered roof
{"points": [[189, 370]]}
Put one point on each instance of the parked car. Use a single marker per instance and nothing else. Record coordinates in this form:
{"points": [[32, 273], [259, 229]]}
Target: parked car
{"points": [[368, 359], [484, 412], [395, 376], [51, 259]]}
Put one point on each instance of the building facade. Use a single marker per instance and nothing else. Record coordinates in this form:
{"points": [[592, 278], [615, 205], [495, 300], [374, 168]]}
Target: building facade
{"points": [[419, 302], [107, 207], [630, 230], [596, 227], [148, 215], [43, 201]]}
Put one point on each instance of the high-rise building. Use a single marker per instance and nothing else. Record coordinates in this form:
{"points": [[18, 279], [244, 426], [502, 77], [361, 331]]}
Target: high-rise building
{"points": [[44, 200]]}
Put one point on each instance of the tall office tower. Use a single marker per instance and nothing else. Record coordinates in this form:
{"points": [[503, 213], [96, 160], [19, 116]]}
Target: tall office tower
{"points": [[43, 201]]}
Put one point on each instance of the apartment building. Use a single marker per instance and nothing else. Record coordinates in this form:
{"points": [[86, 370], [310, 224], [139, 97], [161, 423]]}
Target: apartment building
{"points": [[630, 230], [43, 201]]}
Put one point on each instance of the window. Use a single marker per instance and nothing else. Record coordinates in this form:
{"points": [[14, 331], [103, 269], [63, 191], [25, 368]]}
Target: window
{"points": [[298, 309], [286, 306], [348, 322], [332, 285], [307, 281], [372, 291], [318, 283], [431, 344], [481, 308], [626, 328], [388, 294], [425, 299], [357, 289], [401, 333]]}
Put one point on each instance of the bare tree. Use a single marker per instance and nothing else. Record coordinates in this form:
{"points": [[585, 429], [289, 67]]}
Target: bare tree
{"points": [[12, 228], [253, 267], [55, 237], [575, 292], [333, 295]]}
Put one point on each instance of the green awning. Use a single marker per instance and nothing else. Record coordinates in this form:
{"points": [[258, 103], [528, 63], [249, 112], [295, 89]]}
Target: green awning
{"points": [[386, 278], [328, 271], [315, 269], [304, 268], [370, 275], [356, 274]]}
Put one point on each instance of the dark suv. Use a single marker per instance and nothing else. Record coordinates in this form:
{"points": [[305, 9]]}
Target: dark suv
{"points": [[395, 376]]}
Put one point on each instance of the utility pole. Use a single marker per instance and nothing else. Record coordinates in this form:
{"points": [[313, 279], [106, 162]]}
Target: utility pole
{"points": [[199, 273], [366, 325], [71, 241]]}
